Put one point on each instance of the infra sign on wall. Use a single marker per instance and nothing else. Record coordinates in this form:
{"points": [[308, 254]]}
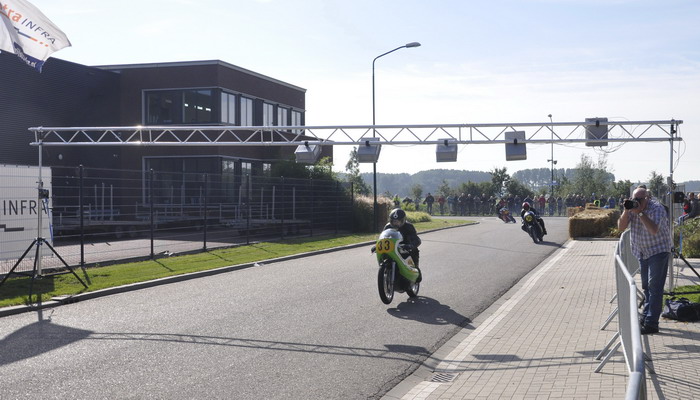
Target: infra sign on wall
{"points": [[19, 208]]}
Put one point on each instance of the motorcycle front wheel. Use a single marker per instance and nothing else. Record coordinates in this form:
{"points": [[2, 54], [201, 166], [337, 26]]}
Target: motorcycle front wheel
{"points": [[535, 233], [413, 289], [385, 282]]}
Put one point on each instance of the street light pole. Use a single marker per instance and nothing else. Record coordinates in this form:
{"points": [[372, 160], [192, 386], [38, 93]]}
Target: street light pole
{"points": [[551, 182], [374, 130]]}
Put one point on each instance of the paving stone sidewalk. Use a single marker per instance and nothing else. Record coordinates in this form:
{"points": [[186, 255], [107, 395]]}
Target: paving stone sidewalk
{"points": [[540, 340]]}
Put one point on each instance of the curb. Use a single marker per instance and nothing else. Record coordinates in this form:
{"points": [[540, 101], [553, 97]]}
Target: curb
{"points": [[68, 299]]}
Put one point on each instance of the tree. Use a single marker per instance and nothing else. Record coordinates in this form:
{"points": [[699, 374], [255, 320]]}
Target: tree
{"points": [[621, 188], [354, 178], [590, 178], [417, 191], [444, 188], [657, 187], [499, 178]]}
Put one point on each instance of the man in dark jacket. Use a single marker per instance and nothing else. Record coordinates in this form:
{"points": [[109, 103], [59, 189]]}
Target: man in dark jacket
{"points": [[397, 220]]}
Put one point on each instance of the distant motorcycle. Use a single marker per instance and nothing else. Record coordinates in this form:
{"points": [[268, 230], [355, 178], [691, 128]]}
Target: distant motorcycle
{"points": [[397, 270], [532, 226], [505, 215]]}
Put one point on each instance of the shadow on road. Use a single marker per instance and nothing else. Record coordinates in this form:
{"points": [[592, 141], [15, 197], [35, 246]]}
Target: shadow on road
{"points": [[35, 339], [428, 311]]}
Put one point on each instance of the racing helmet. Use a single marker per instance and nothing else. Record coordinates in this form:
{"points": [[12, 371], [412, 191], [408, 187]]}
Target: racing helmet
{"points": [[526, 206], [397, 218]]}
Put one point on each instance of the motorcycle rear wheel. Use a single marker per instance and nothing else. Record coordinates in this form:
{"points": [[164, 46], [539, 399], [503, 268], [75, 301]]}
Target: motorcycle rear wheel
{"points": [[385, 282]]}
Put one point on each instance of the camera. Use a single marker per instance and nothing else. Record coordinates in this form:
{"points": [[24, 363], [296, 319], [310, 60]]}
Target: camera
{"points": [[630, 204]]}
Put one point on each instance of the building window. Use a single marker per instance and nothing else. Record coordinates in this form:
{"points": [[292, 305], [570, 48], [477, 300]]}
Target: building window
{"points": [[164, 107], [268, 114], [246, 112], [267, 169], [296, 120], [246, 172], [282, 116], [168, 107], [228, 108], [199, 105]]}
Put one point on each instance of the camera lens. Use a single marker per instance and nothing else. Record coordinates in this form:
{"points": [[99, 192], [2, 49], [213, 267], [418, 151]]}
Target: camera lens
{"points": [[630, 204]]}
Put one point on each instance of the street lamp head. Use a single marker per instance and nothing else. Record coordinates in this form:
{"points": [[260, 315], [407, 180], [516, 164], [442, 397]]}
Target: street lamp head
{"points": [[412, 44]]}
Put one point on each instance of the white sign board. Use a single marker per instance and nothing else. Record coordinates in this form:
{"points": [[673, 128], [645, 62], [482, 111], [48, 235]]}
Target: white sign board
{"points": [[19, 205]]}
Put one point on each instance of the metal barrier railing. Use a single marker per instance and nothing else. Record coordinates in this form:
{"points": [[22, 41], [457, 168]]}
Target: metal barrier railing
{"points": [[628, 333]]}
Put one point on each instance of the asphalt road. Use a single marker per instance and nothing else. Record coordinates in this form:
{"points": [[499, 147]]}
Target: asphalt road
{"points": [[310, 328]]}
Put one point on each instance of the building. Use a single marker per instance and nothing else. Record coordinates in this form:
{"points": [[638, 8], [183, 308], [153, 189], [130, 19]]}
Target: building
{"points": [[200, 93]]}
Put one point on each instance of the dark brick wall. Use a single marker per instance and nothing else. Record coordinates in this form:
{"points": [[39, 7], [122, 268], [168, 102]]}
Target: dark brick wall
{"points": [[64, 94]]}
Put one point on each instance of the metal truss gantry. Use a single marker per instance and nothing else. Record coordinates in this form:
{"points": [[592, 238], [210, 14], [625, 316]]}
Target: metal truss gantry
{"points": [[211, 135]]}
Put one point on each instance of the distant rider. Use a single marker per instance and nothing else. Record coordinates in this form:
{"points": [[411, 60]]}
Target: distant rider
{"points": [[397, 220], [526, 208]]}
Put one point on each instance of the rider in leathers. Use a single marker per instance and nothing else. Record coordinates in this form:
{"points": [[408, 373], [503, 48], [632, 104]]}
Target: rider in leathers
{"points": [[397, 220], [526, 208]]}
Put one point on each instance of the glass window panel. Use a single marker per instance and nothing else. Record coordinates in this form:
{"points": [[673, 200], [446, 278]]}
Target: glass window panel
{"points": [[282, 116], [224, 107], [246, 111], [199, 105], [268, 114], [231, 109], [163, 107]]}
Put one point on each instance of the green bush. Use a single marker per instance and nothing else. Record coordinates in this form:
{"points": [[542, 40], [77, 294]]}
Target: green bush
{"points": [[418, 216], [691, 238]]}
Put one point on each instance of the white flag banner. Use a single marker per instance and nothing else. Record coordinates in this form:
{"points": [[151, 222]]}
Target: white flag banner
{"points": [[25, 31]]}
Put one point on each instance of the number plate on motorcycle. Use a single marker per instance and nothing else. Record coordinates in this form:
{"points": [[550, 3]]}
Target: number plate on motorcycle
{"points": [[385, 246]]}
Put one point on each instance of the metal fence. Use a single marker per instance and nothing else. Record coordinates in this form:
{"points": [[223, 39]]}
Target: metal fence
{"points": [[101, 216], [628, 332]]}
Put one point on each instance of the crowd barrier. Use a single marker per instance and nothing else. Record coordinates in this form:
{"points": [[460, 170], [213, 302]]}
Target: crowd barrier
{"points": [[628, 335]]}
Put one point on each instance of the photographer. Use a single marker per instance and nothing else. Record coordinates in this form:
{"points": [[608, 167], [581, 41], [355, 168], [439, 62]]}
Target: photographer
{"points": [[651, 244]]}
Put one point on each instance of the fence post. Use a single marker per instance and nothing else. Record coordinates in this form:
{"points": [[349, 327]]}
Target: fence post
{"points": [[352, 205], [150, 195], [282, 205], [337, 205], [206, 208], [248, 201], [311, 227], [81, 214]]}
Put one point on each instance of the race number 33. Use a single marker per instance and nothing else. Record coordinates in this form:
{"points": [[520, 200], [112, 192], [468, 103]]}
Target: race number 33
{"points": [[385, 246]]}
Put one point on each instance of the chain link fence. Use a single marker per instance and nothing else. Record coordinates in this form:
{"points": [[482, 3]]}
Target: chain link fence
{"points": [[101, 216]]}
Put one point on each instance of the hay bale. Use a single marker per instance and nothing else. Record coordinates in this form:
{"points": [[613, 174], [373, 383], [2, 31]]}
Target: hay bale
{"points": [[593, 222]]}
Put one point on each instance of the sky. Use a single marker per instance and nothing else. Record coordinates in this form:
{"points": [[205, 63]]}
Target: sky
{"points": [[479, 62]]}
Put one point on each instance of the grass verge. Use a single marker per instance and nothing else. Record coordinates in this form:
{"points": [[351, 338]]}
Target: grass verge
{"points": [[15, 291]]}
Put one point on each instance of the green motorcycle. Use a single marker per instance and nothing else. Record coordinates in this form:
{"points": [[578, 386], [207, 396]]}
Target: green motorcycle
{"points": [[397, 270]]}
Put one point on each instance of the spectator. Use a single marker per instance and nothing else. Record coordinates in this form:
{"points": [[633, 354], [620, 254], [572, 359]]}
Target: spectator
{"points": [[452, 204], [651, 244], [462, 201], [693, 206], [552, 201], [429, 200], [541, 202], [611, 202], [560, 205], [441, 203], [477, 204]]}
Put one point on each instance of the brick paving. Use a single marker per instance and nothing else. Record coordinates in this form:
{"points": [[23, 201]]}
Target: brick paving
{"points": [[540, 340]]}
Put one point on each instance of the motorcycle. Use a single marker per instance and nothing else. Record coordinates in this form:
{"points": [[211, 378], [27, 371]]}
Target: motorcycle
{"points": [[505, 215], [397, 270], [532, 226]]}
